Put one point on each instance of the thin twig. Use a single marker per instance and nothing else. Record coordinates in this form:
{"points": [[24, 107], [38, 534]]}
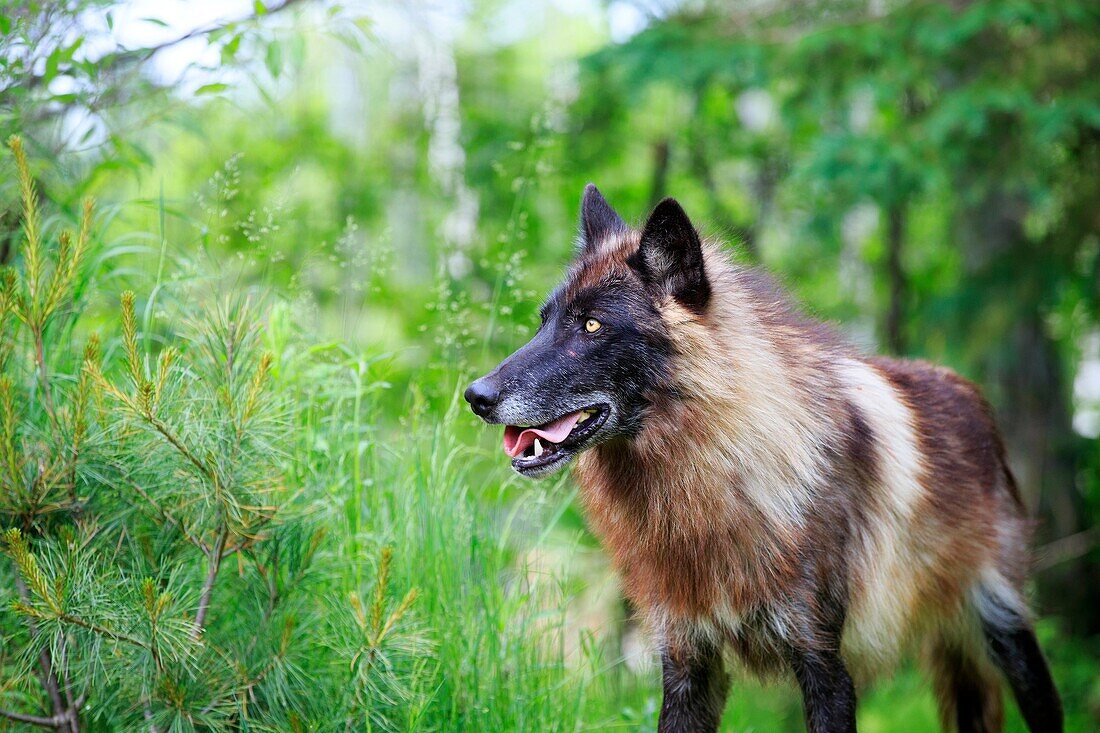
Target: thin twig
{"points": [[67, 687], [214, 561], [149, 719], [146, 53], [40, 360], [1066, 548], [106, 62]]}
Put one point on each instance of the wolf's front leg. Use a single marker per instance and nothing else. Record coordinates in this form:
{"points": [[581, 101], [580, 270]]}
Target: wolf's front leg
{"points": [[828, 696], [695, 688]]}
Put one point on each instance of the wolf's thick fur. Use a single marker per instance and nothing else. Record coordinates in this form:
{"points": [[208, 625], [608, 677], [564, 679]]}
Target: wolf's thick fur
{"points": [[815, 510]]}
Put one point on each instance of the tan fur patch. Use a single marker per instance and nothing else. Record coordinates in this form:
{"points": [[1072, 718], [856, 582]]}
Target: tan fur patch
{"points": [[883, 598]]}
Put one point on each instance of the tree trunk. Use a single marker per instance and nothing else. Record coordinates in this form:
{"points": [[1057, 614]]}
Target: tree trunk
{"points": [[659, 187], [895, 276], [703, 170], [1034, 406]]}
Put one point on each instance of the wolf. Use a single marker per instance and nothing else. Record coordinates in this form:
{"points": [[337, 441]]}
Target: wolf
{"points": [[769, 494]]}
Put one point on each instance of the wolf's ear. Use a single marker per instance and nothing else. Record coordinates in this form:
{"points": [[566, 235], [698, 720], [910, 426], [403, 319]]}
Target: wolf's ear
{"points": [[671, 256], [598, 219]]}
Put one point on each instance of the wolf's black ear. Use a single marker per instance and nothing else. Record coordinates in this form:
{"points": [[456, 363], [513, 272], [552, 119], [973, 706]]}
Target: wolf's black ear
{"points": [[598, 219], [671, 256]]}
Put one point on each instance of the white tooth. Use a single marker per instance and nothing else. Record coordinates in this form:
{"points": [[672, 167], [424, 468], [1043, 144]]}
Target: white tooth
{"points": [[538, 448]]}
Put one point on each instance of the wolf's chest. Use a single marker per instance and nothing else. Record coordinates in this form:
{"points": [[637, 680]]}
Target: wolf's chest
{"points": [[688, 559]]}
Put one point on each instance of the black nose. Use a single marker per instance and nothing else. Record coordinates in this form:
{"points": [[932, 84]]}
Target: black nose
{"points": [[483, 396]]}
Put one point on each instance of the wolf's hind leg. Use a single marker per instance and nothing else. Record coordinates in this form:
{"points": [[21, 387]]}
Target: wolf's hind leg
{"points": [[1013, 648], [968, 689], [695, 689]]}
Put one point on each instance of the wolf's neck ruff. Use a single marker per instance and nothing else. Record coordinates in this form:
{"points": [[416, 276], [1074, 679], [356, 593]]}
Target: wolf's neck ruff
{"points": [[704, 509], [746, 406]]}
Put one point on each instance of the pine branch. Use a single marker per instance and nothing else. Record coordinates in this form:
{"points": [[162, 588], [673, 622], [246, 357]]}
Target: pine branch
{"points": [[32, 250], [32, 310], [28, 570], [180, 446], [143, 405], [109, 633], [53, 722], [46, 673]]}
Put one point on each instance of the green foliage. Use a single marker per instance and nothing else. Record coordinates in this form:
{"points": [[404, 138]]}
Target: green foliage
{"points": [[125, 496], [42, 439]]}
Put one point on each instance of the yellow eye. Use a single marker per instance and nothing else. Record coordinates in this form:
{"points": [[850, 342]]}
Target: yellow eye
{"points": [[592, 325]]}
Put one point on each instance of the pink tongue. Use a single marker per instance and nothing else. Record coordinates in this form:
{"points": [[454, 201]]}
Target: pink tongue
{"points": [[517, 439]]}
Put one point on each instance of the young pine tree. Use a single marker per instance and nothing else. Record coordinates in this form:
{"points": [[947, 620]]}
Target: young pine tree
{"points": [[154, 573]]}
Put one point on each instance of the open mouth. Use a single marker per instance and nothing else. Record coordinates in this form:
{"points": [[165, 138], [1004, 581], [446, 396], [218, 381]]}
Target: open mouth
{"points": [[535, 448]]}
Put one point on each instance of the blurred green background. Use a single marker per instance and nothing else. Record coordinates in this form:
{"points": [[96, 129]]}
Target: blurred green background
{"points": [[394, 186]]}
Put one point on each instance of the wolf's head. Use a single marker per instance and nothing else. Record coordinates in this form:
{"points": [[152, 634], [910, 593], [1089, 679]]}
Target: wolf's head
{"points": [[602, 353]]}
